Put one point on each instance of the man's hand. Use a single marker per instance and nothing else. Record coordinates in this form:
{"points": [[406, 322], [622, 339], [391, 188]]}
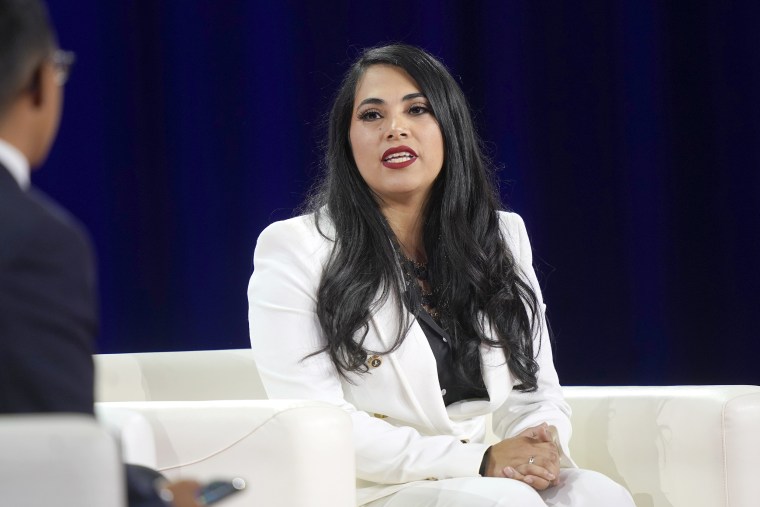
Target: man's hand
{"points": [[181, 493]]}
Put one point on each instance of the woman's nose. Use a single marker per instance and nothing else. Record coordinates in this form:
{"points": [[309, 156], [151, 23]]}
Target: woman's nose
{"points": [[397, 128]]}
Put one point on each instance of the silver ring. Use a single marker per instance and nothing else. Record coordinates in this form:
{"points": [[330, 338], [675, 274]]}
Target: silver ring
{"points": [[531, 460]]}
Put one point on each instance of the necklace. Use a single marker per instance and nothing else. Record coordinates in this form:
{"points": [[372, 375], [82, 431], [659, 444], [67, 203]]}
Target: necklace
{"points": [[417, 279], [420, 269], [428, 299]]}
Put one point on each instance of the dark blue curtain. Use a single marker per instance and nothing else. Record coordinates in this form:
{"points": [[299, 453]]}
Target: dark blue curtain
{"points": [[627, 135]]}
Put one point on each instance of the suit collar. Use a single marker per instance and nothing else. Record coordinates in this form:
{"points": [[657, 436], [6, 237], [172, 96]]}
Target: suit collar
{"points": [[15, 163]]}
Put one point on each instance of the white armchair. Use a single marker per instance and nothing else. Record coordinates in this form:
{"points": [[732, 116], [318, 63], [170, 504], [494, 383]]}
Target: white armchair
{"points": [[61, 460], [686, 446], [682, 446], [204, 416]]}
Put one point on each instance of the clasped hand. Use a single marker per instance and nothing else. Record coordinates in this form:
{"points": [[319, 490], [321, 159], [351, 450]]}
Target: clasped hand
{"points": [[532, 457]]}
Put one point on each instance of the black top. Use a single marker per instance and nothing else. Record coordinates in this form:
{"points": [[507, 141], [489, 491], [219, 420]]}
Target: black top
{"points": [[424, 307]]}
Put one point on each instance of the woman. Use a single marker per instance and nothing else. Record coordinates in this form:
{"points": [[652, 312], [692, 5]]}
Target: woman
{"points": [[406, 298]]}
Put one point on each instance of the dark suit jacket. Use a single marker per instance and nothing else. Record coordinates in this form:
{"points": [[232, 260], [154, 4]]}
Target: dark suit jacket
{"points": [[48, 315], [47, 305]]}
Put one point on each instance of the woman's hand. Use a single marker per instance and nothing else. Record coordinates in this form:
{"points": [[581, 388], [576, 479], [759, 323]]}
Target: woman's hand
{"points": [[531, 457]]}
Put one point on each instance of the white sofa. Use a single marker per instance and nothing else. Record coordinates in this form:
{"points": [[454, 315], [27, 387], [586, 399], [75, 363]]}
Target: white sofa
{"points": [[201, 415], [191, 414]]}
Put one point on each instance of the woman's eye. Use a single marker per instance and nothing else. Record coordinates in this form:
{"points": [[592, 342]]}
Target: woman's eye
{"points": [[369, 115], [419, 109]]}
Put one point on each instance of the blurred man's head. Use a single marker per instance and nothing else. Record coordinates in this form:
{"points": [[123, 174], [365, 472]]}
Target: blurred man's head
{"points": [[32, 70]]}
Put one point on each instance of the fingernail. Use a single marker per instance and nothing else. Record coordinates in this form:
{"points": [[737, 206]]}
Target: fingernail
{"points": [[529, 480], [509, 472], [550, 476]]}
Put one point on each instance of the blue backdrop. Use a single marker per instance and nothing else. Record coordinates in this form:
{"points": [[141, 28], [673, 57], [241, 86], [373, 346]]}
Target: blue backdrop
{"points": [[626, 131]]}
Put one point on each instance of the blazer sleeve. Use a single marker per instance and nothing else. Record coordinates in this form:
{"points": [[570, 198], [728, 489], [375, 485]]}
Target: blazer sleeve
{"points": [[523, 410], [285, 331]]}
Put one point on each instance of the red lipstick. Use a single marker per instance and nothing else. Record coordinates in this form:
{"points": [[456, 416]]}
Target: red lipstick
{"points": [[399, 157]]}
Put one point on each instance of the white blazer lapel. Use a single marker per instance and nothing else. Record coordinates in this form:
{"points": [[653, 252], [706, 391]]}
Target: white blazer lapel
{"points": [[413, 365]]}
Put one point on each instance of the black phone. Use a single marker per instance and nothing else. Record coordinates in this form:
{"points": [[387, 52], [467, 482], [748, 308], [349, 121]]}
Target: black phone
{"points": [[215, 491]]}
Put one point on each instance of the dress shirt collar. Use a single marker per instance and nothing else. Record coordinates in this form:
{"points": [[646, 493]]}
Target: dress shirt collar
{"points": [[15, 162]]}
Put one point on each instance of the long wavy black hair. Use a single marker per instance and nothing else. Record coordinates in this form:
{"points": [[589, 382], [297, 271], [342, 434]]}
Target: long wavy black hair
{"points": [[472, 270]]}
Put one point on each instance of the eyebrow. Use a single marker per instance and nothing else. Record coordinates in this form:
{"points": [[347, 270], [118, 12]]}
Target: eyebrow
{"points": [[373, 100]]}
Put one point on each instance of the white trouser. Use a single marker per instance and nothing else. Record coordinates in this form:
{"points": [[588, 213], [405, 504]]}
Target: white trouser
{"points": [[576, 488]]}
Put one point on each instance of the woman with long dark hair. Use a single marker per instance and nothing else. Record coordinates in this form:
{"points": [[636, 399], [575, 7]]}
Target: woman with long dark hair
{"points": [[407, 298]]}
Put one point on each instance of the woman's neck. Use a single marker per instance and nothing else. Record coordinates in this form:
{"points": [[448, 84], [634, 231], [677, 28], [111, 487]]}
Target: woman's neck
{"points": [[406, 224]]}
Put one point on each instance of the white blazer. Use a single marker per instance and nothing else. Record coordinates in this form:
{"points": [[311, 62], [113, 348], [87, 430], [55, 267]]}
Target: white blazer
{"points": [[403, 432]]}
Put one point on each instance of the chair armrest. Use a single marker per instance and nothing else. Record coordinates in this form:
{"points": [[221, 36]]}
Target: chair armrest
{"points": [[58, 459], [682, 446], [290, 452], [132, 432]]}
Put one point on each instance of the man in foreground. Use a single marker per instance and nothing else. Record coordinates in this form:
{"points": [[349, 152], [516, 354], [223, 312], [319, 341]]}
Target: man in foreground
{"points": [[48, 315]]}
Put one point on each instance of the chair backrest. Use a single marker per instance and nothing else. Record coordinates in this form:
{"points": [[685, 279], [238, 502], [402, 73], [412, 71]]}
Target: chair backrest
{"points": [[178, 376], [62, 460], [671, 446]]}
